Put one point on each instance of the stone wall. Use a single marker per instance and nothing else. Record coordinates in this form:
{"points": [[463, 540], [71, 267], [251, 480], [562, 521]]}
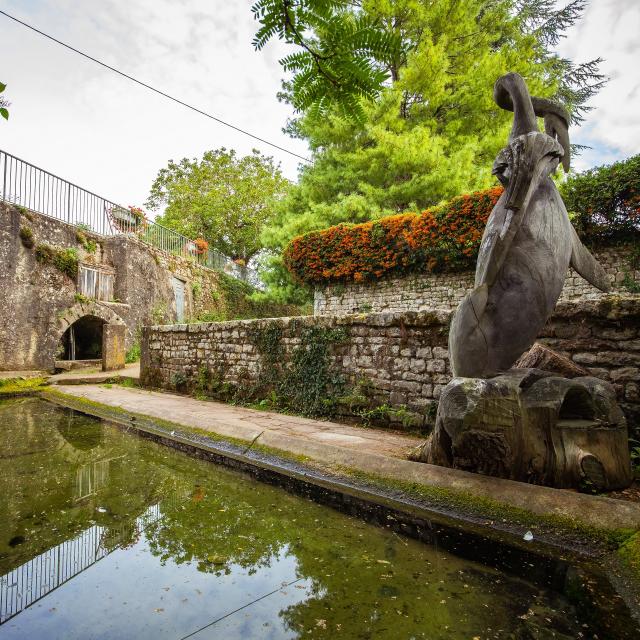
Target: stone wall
{"points": [[395, 359], [444, 291], [39, 302]]}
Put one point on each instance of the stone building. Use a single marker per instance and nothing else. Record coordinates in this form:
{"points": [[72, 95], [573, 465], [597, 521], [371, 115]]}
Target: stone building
{"points": [[67, 294]]}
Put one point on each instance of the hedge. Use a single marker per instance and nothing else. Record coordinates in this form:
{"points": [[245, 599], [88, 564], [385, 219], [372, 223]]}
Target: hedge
{"points": [[605, 203], [446, 237]]}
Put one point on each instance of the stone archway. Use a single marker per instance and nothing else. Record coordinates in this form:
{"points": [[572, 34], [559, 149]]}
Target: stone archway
{"points": [[113, 331]]}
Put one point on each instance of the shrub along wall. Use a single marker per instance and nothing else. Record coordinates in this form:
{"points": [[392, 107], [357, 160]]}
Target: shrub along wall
{"points": [[446, 237], [603, 203], [384, 367]]}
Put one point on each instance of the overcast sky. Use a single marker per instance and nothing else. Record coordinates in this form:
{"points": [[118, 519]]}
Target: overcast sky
{"points": [[110, 136]]}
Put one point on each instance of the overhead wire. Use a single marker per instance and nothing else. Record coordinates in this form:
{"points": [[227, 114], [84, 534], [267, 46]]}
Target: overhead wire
{"points": [[151, 88]]}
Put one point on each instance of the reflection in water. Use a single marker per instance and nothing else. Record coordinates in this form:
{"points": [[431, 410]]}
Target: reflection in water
{"points": [[188, 549], [33, 580], [90, 478]]}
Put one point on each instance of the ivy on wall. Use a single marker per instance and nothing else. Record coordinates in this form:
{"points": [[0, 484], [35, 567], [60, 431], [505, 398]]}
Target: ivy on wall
{"points": [[302, 383]]}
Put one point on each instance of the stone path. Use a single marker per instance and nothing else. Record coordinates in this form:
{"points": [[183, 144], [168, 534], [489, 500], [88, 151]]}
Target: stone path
{"points": [[80, 376], [243, 423]]}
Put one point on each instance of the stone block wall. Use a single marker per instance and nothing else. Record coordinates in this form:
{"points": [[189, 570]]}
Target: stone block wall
{"points": [[445, 290], [395, 359]]}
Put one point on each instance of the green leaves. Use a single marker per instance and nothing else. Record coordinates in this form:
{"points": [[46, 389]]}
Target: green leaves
{"points": [[345, 56], [4, 112], [222, 198], [605, 202]]}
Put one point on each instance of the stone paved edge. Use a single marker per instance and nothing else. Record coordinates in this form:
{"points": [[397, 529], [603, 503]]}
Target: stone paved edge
{"points": [[550, 506]]}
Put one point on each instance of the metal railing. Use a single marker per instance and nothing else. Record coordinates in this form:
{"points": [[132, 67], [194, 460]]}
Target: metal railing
{"points": [[26, 185]]}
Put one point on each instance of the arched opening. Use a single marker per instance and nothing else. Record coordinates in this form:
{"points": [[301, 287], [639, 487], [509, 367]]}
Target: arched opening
{"points": [[82, 340], [577, 405]]}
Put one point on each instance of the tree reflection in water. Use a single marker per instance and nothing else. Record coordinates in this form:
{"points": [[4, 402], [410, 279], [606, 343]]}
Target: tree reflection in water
{"points": [[224, 553]]}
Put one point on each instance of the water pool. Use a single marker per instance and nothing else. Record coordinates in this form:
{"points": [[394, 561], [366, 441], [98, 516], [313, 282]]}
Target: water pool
{"points": [[104, 534]]}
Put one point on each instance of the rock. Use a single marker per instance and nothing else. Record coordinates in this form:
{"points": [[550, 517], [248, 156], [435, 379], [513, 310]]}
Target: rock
{"points": [[532, 426], [541, 357]]}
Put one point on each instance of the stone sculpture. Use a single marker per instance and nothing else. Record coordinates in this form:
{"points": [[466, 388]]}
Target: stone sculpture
{"points": [[526, 424]]}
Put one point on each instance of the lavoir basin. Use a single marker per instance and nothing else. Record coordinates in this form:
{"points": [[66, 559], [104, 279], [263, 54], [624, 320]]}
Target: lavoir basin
{"points": [[104, 534]]}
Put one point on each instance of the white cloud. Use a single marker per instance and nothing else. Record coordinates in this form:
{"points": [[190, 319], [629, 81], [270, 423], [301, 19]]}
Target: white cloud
{"points": [[609, 30], [103, 132]]}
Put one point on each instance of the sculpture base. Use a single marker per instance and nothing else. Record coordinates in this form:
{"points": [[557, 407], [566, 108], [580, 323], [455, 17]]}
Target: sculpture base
{"points": [[533, 426]]}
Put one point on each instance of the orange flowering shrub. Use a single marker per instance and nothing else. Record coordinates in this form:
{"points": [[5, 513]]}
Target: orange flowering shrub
{"points": [[446, 237], [202, 246]]}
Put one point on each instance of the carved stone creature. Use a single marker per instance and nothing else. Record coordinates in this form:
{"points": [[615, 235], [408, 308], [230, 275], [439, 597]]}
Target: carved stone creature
{"points": [[533, 426], [527, 246]]}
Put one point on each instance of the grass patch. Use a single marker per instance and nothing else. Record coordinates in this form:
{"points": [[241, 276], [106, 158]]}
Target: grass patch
{"points": [[21, 386]]}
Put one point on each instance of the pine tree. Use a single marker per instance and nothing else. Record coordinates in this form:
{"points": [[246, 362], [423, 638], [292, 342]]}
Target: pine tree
{"points": [[426, 127]]}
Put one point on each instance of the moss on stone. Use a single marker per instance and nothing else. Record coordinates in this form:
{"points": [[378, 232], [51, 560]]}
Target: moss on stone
{"points": [[21, 386], [64, 260], [629, 553], [486, 509], [26, 237]]}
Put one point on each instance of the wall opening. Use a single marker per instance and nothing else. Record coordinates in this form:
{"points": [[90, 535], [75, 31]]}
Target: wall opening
{"points": [[82, 340]]}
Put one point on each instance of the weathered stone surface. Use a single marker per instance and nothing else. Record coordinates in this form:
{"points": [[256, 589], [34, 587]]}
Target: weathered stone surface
{"points": [[532, 426], [38, 300], [422, 291], [541, 357], [113, 346]]}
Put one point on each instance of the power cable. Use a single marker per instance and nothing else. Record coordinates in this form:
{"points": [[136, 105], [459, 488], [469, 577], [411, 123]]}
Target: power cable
{"points": [[244, 606], [148, 86]]}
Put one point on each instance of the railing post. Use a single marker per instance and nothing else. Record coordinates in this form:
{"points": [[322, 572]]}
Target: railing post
{"points": [[4, 178]]}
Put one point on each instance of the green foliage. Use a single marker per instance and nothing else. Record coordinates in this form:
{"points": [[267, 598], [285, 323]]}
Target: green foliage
{"points": [[89, 245], [64, 260], [345, 55], [237, 300], [309, 386], [223, 199], [26, 236], [179, 380], [605, 202], [303, 383], [133, 354], [346, 50], [4, 112], [79, 297], [434, 130], [634, 447]]}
